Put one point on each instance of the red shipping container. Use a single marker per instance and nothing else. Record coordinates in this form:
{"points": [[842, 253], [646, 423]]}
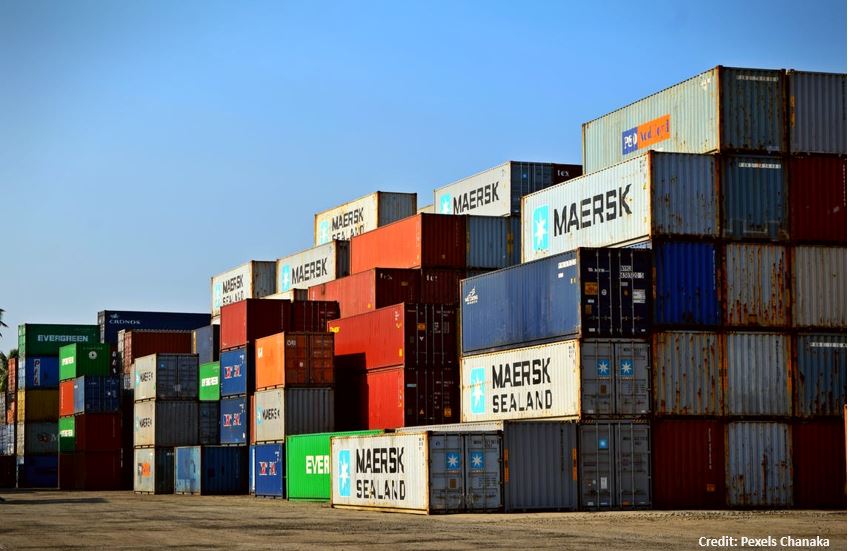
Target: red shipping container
{"points": [[688, 464], [98, 431], [441, 286], [67, 472], [294, 359], [312, 315], [90, 470], [405, 397], [817, 199], [66, 398], [12, 377], [251, 319], [819, 463], [141, 342], [403, 334], [420, 241]]}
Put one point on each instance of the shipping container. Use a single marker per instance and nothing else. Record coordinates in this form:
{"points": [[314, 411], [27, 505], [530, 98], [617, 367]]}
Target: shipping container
{"points": [[313, 266], [407, 396], [817, 199], [498, 191], [166, 377], [12, 377], [816, 112], [111, 322], [40, 339], [818, 287], [38, 471], [66, 397], [97, 432], [209, 423], [96, 394], [308, 464], [294, 359], [7, 439], [154, 471], [67, 434], [90, 471], [209, 389], [651, 196], [819, 463], [234, 421], [39, 405], [588, 292], [754, 196], [38, 438], [76, 360], [363, 215], [819, 375], [11, 412], [141, 343], [615, 465], [427, 209], [206, 343], [34, 372], [756, 285], [280, 412], [237, 371], [310, 316], [492, 242], [688, 373], [210, 470], [269, 465], [256, 279], [8, 474], [408, 334], [759, 464], [252, 470], [686, 284], [291, 294], [245, 321], [688, 463], [759, 374], [723, 109], [165, 423]]}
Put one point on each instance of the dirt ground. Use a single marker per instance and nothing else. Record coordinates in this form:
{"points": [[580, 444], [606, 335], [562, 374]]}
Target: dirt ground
{"points": [[43, 519]]}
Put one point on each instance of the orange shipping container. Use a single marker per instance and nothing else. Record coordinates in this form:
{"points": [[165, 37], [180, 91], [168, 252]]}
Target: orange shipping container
{"points": [[66, 397], [289, 359], [12, 376], [11, 412]]}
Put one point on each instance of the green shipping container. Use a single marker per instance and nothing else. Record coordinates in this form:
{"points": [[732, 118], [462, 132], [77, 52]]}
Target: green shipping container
{"points": [[308, 464], [45, 339], [210, 383], [67, 434], [76, 360]]}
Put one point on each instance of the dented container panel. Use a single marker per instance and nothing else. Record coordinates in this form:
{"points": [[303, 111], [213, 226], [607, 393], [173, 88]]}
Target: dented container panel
{"points": [[759, 464], [756, 280], [687, 373], [819, 287]]}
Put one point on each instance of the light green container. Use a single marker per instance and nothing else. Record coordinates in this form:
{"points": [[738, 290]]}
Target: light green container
{"points": [[210, 382], [67, 434], [45, 339], [76, 360], [308, 464]]}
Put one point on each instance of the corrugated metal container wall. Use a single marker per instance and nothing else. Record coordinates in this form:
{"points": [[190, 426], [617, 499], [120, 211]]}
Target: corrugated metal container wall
{"points": [[819, 463], [687, 373], [290, 359], [35, 372], [820, 374], [754, 198], [688, 464], [140, 343], [205, 342], [12, 378], [93, 394], [818, 287], [45, 339], [256, 279], [37, 438], [399, 397], [237, 371], [166, 377], [209, 419], [756, 282], [40, 405], [313, 266], [38, 471], [76, 360], [209, 389], [279, 412], [363, 215], [248, 320], [165, 424], [687, 284], [98, 432], [66, 398], [154, 471], [211, 470], [816, 112], [112, 322], [721, 109], [493, 242], [759, 374], [817, 199], [269, 470], [759, 464], [234, 421], [615, 465]]}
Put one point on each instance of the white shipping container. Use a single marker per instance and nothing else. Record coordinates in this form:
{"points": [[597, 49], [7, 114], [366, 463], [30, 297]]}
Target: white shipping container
{"points": [[313, 266], [256, 279], [281, 412], [292, 294], [363, 214]]}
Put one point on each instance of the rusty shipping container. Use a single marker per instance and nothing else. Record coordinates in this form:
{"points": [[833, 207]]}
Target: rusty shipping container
{"points": [[759, 374], [754, 195], [818, 287], [819, 463], [12, 378], [817, 199], [142, 342], [688, 373], [820, 380], [294, 359], [816, 112], [758, 468], [756, 285]]}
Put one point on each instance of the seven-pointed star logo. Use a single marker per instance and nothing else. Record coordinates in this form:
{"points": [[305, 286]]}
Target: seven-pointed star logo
{"points": [[219, 294], [285, 278], [626, 368], [452, 461], [445, 204], [540, 228], [603, 368], [477, 460], [344, 473], [323, 232], [478, 378]]}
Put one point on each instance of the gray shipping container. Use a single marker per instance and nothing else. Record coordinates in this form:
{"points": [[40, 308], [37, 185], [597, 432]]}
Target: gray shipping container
{"points": [[759, 380], [280, 412], [154, 470], [37, 438], [816, 112], [818, 287], [615, 377], [493, 242], [166, 377], [820, 374], [615, 465], [687, 373], [165, 424], [756, 281], [759, 464]]}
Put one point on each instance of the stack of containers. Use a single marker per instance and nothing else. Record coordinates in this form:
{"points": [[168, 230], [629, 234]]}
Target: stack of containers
{"points": [[294, 395], [90, 424], [37, 403], [206, 343], [7, 429], [166, 416]]}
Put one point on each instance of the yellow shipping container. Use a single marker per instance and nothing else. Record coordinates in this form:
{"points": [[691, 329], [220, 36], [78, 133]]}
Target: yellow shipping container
{"points": [[38, 405]]}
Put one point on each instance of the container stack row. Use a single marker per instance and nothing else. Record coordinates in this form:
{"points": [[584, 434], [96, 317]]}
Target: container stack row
{"points": [[8, 425]]}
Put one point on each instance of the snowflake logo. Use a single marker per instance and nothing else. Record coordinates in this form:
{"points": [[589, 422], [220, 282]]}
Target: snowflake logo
{"points": [[344, 473], [452, 461], [540, 228], [603, 368], [478, 379]]}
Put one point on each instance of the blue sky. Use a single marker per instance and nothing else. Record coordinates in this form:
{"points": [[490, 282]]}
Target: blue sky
{"points": [[147, 145]]}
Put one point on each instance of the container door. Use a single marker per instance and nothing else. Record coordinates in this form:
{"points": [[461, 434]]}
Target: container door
{"points": [[596, 466], [633, 376], [483, 482], [597, 373], [633, 466], [447, 481], [163, 473]]}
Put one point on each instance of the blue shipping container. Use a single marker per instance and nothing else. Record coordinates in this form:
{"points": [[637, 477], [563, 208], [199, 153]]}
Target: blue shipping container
{"points": [[211, 470], [38, 471], [209, 417], [251, 464], [112, 321], [755, 198], [493, 242], [206, 343], [234, 421], [588, 292], [820, 374], [268, 468], [97, 394], [686, 284], [237, 371], [39, 372]]}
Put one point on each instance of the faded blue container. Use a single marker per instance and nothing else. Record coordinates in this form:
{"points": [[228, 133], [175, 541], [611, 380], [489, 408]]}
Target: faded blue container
{"points": [[493, 242], [112, 321], [686, 284], [38, 471], [206, 343], [590, 293], [756, 205], [234, 421], [268, 467], [39, 372], [211, 470], [97, 394], [820, 374], [209, 417], [237, 375]]}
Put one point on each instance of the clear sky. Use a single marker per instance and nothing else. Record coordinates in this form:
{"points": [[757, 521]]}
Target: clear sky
{"points": [[145, 146]]}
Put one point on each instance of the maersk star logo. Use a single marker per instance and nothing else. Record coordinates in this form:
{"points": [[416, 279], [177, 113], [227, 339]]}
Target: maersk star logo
{"points": [[626, 368], [603, 444], [344, 473], [219, 294], [476, 461], [478, 379], [258, 415], [445, 204], [452, 461], [540, 228], [285, 278], [603, 368], [323, 232]]}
